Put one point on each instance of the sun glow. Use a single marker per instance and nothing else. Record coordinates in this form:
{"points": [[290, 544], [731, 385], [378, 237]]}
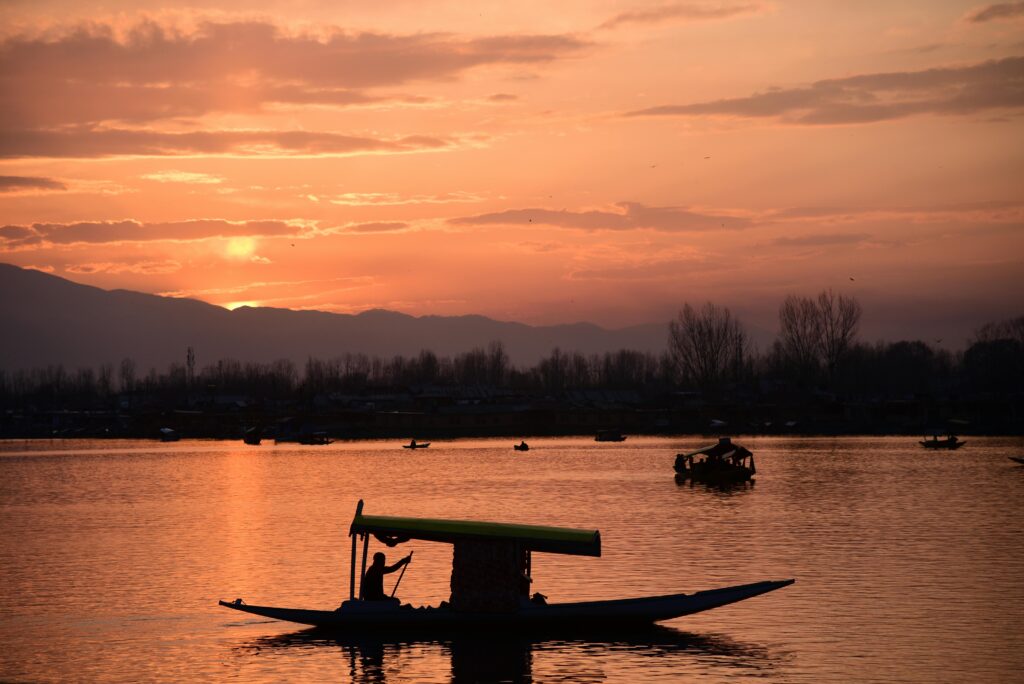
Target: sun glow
{"points": [[240, 247], [231, 306]]}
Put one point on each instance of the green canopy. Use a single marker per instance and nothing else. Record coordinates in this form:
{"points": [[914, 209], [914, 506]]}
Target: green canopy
{"points": [[394, 530], [725, 448]]}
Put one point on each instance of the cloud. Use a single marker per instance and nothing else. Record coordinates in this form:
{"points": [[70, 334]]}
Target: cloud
{"points": [[367, 199], [683, 11], [503, 97], [91, 75], [996, 12], [137, 267], [649, 270], [992, 85], [183, 177], [822, 240], [89, 142], [102, 232], [632, 216], [269, 291], [373, 227], [20, 183]]}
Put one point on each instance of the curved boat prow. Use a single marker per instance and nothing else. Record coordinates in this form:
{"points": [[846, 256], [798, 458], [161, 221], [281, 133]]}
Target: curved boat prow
{"points": [[648, 609]]}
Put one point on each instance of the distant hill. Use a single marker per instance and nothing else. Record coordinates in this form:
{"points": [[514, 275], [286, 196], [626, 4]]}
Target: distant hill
{"points": [[48, 320]]}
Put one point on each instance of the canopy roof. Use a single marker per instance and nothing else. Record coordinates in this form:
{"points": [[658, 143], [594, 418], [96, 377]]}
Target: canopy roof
{"points": [[394, 530], [724, 448]]}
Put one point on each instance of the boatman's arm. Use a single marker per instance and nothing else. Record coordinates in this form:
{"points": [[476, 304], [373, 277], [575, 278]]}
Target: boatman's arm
{"points": [[396, 566]]}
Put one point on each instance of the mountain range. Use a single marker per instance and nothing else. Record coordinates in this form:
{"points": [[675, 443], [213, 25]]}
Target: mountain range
{"points": [[49, 320]]}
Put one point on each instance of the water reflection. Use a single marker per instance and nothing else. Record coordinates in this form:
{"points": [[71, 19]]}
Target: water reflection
{"points": [[510, 657], [716, 487]]}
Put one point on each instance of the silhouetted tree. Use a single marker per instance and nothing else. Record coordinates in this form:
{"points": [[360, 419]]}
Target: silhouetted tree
{"points": [[706, 345], [127, 375], [1009, 329], [839, 321], [800, 337]]}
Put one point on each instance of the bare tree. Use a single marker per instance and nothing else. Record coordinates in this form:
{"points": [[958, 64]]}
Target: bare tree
{"points": [[127, 375], [801, 334], [840, 318], [1009, 329], [817, 332], [704, 344]]}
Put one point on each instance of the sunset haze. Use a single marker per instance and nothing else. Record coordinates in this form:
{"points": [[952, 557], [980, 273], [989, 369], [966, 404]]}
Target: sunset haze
{"points": [[546, 164]]}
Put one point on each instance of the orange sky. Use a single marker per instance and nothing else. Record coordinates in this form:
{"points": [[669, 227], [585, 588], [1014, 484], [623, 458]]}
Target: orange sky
{"points": [[531, 161]]}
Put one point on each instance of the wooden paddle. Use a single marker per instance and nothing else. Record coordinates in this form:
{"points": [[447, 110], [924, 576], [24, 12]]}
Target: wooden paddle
{"points": [[401, 575]]}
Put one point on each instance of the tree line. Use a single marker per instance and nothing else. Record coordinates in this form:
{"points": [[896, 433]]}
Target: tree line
{"points": [[708, 351]]}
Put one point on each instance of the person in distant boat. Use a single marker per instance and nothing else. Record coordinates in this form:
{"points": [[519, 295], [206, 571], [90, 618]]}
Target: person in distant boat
{"points": [[372, 587], [412, 443]]}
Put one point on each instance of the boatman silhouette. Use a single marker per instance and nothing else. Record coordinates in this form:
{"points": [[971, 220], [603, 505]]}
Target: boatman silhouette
{"points": [[372, 587]]}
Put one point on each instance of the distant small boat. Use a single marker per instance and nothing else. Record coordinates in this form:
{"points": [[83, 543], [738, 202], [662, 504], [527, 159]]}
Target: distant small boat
{"points": [[522, 446], [252, 436], [314, 439], [609, 436], [416, 445], [169, 435], [949, 442], [1018, 459], [716, 464]]}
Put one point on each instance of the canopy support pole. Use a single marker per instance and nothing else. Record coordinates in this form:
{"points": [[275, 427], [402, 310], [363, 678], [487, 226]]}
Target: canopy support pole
{"points": [[352, 569], [362, 570], [352, 573]]}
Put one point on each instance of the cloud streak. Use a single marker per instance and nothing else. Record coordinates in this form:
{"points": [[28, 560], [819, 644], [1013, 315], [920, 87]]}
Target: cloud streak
{"points": [[868, 98], [89, 142], [103, 232], [20, 183], [90, 75], [683, 11], [134, 267], [631, 216], [997, 12]]}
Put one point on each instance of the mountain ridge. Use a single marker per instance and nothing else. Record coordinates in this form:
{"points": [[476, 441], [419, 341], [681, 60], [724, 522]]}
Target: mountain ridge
{"points": [[59, 321]]}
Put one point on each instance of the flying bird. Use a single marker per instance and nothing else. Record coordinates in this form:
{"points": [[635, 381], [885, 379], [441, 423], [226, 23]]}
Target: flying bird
{"points": [[852, 278]]}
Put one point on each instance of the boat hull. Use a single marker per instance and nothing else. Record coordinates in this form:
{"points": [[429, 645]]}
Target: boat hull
{"points": [[941, 444], [587, 614]]}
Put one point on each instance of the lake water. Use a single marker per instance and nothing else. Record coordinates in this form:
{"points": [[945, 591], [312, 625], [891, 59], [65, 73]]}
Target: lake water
{"points": [[909, 564]]}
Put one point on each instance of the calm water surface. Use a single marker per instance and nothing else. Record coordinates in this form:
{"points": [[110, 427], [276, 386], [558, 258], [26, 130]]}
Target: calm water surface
{"points": [[909, 564]]}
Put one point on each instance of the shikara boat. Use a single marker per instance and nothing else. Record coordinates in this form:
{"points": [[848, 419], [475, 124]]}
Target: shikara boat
{"points": [[416, 445], [499, 597], [609, 436], [522, 446], [314, 439], [723, 462], [169, 435], [947, 442]]}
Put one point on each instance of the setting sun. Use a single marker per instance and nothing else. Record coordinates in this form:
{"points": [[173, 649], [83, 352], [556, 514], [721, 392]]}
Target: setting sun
{"points": [[240, 247]]}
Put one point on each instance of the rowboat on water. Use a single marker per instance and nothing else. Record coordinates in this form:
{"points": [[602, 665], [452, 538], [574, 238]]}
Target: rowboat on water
{"points": [[947, 442], [416, 445], [609, 436], [491, 575], [1018, 459], [169, 435], [522, 446]]}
